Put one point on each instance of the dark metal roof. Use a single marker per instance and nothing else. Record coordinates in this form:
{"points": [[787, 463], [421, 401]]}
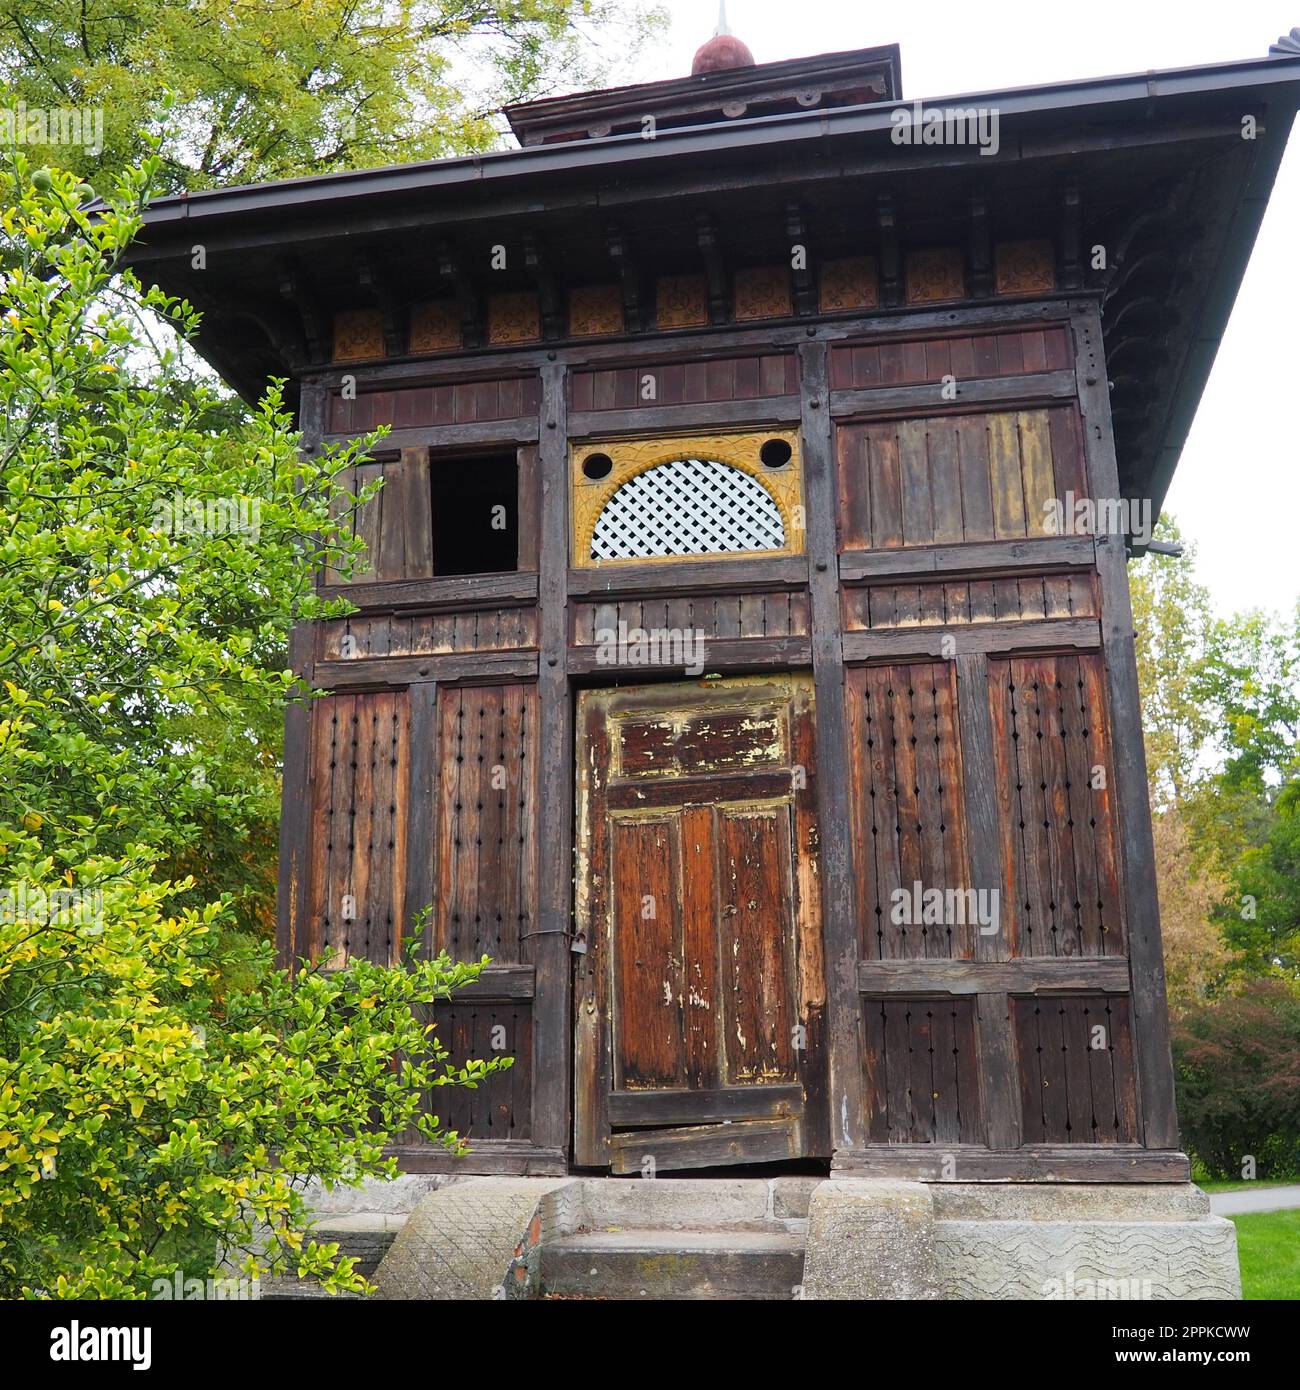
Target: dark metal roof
{"points": [[1090, 96]]}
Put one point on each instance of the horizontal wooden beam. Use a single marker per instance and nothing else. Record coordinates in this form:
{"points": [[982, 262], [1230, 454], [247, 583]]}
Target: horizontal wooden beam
{"points": [[682, 789], [702, 1107], [688, 577], [521, 429], [967, 1163], [1023, 976], [897, 644], [707, 416], [907, 322], [707, 1146], [515, 1157], [725, 654], [1047, 554], [368, 673], [1028, 389], [453, 592], [500, 982]]}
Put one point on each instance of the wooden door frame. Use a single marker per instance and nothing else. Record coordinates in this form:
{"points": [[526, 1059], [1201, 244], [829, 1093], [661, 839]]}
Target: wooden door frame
{"points": [[777, 1121]]}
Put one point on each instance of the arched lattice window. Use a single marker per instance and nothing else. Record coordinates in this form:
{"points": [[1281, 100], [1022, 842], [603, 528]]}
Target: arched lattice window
{"points": [[687, 507]]}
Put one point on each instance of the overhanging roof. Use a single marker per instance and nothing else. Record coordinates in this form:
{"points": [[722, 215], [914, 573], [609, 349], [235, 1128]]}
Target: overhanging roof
{"points": [[1165, 178]]}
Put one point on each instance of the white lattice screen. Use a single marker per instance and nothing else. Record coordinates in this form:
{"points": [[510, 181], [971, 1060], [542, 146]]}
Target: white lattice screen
{"points": [[687, 507]]}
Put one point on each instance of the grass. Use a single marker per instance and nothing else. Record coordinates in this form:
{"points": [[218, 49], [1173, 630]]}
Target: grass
{"points": [[1268, 1245]]}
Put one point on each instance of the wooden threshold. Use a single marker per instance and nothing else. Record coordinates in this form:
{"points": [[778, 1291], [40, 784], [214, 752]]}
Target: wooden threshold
{"points": [[707, 1146]]}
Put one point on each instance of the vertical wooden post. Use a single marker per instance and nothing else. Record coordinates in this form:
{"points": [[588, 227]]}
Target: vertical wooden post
{"points": [[294, 880], [421, 802], [999, 1068], [839, 918], [554, 828], [1137, 851]]}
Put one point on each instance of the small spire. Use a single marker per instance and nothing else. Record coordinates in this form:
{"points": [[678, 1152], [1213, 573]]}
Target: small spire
{"points": [[722, 19]]}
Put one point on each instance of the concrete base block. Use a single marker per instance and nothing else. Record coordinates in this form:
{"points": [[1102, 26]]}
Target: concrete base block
{"points": [[866, 1238], [1089, 1260], [870, 1240], [475, 1240]]}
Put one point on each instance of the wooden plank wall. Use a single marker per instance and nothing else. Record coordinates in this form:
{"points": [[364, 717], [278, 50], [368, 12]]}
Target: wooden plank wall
{"points": [[486, 846], [944, 479], [451, 403], [687, 383], [358, 800], [916, 360], [973, 688], [1055, 774], [715, 615], [908, 819], [1077, 1079], [921, 1057]]}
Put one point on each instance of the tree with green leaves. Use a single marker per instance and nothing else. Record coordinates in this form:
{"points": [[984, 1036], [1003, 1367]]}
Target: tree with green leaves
{"points": [[1171, 620], [266, 89], [165, 1091]]}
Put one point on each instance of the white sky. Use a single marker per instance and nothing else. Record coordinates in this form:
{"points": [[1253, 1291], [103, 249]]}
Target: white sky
{"points": [[1237, 489]]}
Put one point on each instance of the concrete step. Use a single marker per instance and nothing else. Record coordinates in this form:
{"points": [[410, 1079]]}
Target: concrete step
{"points": [[365, 1235], [679, 1264], [672, 1204]]}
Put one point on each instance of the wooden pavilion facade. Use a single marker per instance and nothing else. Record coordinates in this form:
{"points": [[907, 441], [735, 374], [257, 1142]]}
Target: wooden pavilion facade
{"points": [[713, 621]]}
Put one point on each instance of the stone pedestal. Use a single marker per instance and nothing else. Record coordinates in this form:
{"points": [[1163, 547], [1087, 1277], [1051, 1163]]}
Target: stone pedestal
{"points": [[872, 1240]]}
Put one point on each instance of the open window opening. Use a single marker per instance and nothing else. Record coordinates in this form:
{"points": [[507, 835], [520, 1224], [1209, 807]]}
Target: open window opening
{"points": [[475, 514]]}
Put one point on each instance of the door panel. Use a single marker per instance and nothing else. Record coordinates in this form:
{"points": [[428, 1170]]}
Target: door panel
{"points": [[756, 1008], [700, 996], [646, 953]]}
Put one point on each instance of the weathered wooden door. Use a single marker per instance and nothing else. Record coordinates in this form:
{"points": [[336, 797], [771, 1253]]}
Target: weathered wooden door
{"points": [[700, 996]]}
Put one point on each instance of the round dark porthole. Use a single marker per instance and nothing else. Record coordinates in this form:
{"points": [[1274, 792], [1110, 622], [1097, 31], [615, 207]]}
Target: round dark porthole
{"points": [[597, 466], [775, 453]]}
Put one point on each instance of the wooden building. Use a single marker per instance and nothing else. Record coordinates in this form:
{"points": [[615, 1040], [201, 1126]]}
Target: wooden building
{"points": [[717, 665]]}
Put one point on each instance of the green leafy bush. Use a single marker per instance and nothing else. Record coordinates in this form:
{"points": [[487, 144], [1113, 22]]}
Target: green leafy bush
{"points": [[165, 1091], [145, 1124], [1237, 1061]]}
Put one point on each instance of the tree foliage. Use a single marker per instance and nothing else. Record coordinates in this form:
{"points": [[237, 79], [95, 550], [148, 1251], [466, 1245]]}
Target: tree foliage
{"points": [[148, 1127], [1238, 1065], [1221, 710], [247, 90], [164, 1090], [150, 564]]}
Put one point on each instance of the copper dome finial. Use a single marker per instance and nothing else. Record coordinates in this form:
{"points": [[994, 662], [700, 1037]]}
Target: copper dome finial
{"points": [[723, 50]]}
